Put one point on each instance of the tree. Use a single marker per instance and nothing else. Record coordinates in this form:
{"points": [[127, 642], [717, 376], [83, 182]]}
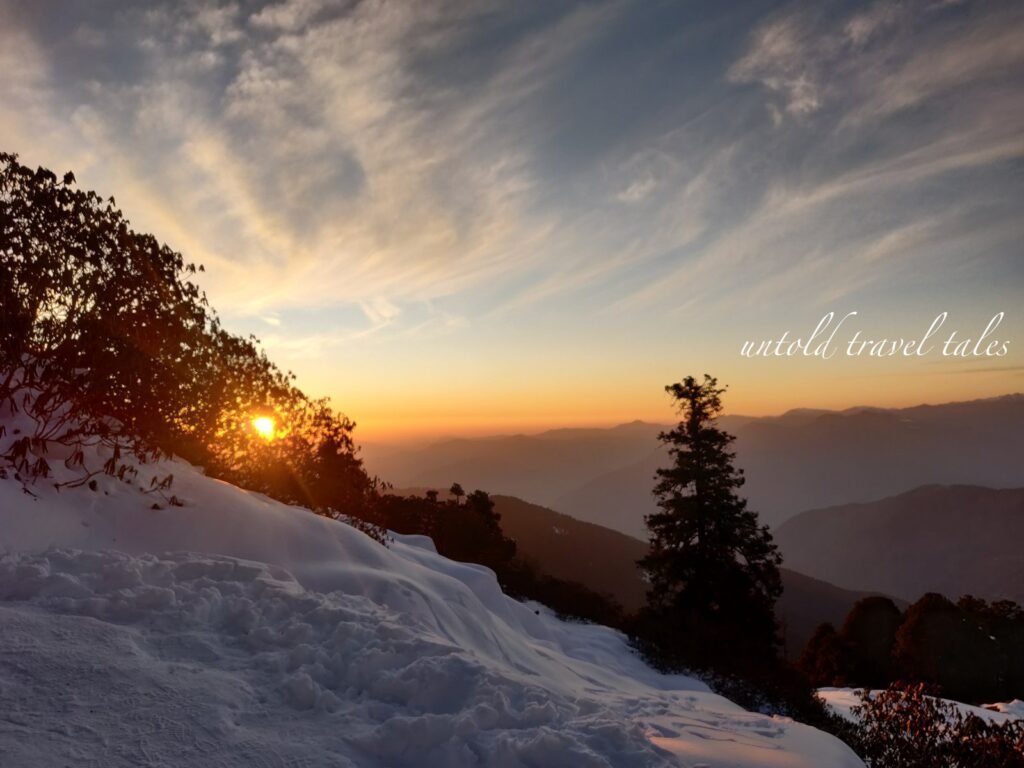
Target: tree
{"points": [[713, 569], [824, 660], [905, 727], [1002, 620], [869, 634], [105, 340], [941, 644], [101, 329], [457, 492]]}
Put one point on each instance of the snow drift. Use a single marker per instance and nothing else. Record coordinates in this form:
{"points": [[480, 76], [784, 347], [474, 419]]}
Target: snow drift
{"points": [[843, 700], [237, 631]]}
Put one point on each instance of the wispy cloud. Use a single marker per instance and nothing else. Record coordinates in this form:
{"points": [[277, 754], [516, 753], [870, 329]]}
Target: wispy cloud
{"points": [[424, 170], [309, 157], [836, 208]]}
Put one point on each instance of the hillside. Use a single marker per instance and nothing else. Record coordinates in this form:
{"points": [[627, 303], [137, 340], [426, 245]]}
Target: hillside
{"points": [[235, 631], [953, 539], [597, 557], [807, 602], [801, 460], [605, 561]]}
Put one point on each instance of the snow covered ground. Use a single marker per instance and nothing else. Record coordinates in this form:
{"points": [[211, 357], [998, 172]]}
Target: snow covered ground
{"points": [[843, 700], [237, 631]]}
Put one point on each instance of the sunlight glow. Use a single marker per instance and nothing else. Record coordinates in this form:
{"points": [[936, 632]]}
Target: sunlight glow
{"points": [[264, 426]]}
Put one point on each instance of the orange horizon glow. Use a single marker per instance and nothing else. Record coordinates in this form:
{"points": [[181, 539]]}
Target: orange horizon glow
{"points": [[384, 419]]}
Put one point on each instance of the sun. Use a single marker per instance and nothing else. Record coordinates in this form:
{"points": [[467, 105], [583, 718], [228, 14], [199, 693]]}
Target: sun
{"points": [[264, 426]]}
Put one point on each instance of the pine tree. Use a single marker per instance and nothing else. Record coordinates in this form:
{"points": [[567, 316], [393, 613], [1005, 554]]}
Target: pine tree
{"points": [[712, 568]]}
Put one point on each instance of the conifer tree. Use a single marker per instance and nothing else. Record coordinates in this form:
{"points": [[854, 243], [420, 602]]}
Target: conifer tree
{"points": [[712, 568]]}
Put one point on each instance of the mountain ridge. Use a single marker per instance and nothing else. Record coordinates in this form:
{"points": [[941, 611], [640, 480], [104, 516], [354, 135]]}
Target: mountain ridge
{"points": [[953, 538], [799, 460]]}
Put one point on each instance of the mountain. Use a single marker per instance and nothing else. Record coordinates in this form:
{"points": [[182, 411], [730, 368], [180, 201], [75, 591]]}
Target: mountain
{"points": [[807, 602], [536, 467], [599, 558], [953, 539], [803, 459], [234, 631], [605, 561], [619, 499]]}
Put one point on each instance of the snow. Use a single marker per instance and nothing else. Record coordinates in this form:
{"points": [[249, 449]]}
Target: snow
{"points": [[843, 700], [1014, 708], [238, 631]]}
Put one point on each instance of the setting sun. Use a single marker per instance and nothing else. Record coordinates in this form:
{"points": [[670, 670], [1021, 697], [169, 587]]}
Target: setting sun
{"points": [[264, 426]]}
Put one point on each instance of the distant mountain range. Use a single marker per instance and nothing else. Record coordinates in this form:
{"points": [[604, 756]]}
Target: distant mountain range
{"points": [[801, 460], [954, 540], [540, 468]]}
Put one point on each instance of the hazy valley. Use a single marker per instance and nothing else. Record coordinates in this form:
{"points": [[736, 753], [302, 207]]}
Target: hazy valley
{"points": [[803, 459]]}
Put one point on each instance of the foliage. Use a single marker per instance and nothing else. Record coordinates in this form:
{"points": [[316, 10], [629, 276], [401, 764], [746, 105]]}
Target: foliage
{"points": [[970, 651], [469, 531], [99, 328], [904, 727], [713, 569], [825, 660], [869, 635], [941, 644], [1002, 623], [105, 340]]}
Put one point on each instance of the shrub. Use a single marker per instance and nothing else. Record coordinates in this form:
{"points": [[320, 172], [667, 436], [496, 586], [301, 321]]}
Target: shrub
{"points": [[903, 727], [105, 339]]}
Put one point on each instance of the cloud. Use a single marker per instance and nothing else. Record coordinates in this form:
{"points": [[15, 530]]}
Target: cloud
{"points": [[848, 182], [379, 311], [308, 157], [785, 57], [289, 16], [637, 190], [975, 58], [486, 159]]}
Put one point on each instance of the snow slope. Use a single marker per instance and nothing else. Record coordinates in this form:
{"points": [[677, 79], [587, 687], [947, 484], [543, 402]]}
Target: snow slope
{"points": [[237, 631], [843, 700]]}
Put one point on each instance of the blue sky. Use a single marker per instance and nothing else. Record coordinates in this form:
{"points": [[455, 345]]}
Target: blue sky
{"points": [[455, 216]]}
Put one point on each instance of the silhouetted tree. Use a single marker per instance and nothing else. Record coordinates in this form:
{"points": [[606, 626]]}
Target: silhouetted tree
{"points": [[101, 330], [472, 532], [105, 339], [940, 644], [972, 650], [869, 634], [713, 569], [1002, 622], [457, 492], [824, 660]]}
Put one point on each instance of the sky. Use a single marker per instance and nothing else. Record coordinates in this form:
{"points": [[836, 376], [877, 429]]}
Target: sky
{"points": [[485, 217]]}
